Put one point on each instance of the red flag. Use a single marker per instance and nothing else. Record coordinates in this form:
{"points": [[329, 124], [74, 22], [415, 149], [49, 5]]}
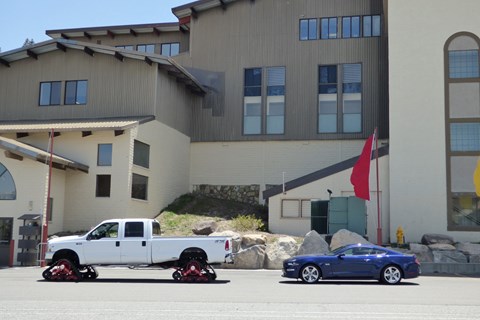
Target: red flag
{"points": [[361, 171]]}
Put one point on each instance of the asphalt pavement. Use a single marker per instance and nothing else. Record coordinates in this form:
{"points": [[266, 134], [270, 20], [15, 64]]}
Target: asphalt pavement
{"points": [[121, 293]]}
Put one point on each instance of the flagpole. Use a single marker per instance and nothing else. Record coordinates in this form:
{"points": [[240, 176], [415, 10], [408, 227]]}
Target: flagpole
{"points": [[46, 212], [379, 222]]}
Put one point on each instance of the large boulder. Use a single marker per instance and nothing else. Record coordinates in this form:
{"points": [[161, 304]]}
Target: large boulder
{"points": [[449, 257], [423, 252], [313, 243], [204, 228], [283, 248], [433, 238], [475, 258], [343, 237], [441, 247], [249, 240], [468, 248], [236, 239], [250, 258]]}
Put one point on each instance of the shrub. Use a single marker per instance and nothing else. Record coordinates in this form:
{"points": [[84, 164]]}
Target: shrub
{"points": [[247, 223]]}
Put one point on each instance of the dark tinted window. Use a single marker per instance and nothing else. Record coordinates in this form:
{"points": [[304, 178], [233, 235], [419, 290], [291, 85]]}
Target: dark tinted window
{"points": [[133, 229]]}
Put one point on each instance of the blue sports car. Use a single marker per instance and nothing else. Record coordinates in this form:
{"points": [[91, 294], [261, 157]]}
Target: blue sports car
{"points": [[355, 261]]}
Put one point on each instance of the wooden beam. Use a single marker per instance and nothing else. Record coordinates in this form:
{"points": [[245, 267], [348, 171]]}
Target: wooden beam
{"points": [[157, 32], [119, 132], [89, 51], [22, 134], [111, 34], [148, 61], [87, 35], [133, 33], [32, 54], [11, 155], [86, 133], [64, 36], [5, 63], [223, 4], [119, 56], [194, 13], [56, 134], [61, 47]]}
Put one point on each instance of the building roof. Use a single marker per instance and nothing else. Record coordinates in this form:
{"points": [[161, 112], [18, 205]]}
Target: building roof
{"points": [[19, 150], [112, 31], [192, 9], [32, 52], [320, 174], [72, 125]]}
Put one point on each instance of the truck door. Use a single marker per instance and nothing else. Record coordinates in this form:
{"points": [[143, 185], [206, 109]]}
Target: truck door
{"points": [[102, 245], [134, 248]]}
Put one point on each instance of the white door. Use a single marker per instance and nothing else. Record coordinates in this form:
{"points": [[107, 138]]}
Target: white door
{"points": [[103, 245]]}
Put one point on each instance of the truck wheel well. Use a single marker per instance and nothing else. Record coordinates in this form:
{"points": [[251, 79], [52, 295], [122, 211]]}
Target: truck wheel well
{"points": [[66, 254], [193, 254]]}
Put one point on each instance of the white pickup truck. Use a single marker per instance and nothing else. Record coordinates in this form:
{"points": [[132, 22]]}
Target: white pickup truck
{"points": [[135, 242]]}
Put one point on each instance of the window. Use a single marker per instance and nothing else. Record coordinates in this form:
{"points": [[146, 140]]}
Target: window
{"points": [[463, 131], [141, 154], [352, 98], [50, 93], [350, 91], [156, 229], [328, 28], [105, 230], [296, 208], [8, 191], [103, 186], [104, 156], [327, 99], [275, 100], [50, 209], [148, 48], [308, 29], [170, 49], [463, 64], [252, 105], [351, 27], [128, 47], [139, 187], [76, 92], [371, 26], [134, 230], [256, 119]]}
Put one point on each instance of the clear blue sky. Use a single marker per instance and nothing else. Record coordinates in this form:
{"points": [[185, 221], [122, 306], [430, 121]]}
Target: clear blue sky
{"points": [[21, 19]]}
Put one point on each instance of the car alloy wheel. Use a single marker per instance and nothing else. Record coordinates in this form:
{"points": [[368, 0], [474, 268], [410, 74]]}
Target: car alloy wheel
{"points": [[391, 275], [310, 274]]}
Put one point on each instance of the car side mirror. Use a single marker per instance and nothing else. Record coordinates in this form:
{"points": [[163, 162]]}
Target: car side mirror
{"points": [[341, 255]]}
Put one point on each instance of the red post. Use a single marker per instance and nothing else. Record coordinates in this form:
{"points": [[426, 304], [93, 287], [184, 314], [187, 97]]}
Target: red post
{"points": [[45, 218], [379, 226], [12, 251]]}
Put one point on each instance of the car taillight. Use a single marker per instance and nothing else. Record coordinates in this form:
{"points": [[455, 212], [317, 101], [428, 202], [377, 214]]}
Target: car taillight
{"points": [[227, 245]]}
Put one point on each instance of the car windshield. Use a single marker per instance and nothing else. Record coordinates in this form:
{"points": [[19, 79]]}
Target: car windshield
{"points": [[336, 251]]}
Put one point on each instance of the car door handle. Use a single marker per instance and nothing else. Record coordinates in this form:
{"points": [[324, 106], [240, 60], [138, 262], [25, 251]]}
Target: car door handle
{"points": [[144, 243], [366, 260], [117, 244]]}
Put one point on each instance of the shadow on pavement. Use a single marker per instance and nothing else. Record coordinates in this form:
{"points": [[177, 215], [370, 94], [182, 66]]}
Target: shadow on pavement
{"points": [[357, 283]]}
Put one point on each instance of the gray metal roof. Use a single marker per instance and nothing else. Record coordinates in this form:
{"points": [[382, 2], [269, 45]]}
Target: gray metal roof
{"points": [[21, 149], [32, 52], [72, 125], [197, 6], [320, 174], [113, 31]]}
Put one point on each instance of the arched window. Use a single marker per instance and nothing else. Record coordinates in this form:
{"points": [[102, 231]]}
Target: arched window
{"points": [[462, 103], [7, 185]]}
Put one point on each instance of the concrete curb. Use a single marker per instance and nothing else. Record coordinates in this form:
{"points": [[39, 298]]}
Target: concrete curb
{"points": [[466, 269]]}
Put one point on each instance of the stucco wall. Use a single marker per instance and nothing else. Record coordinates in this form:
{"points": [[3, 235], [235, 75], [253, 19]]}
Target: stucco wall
{"points": [[417, 150], [263, 163]]}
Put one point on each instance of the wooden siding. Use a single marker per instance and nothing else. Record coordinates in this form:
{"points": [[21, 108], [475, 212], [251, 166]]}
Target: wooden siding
{"points": [[115, 88], [266, 33]]}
